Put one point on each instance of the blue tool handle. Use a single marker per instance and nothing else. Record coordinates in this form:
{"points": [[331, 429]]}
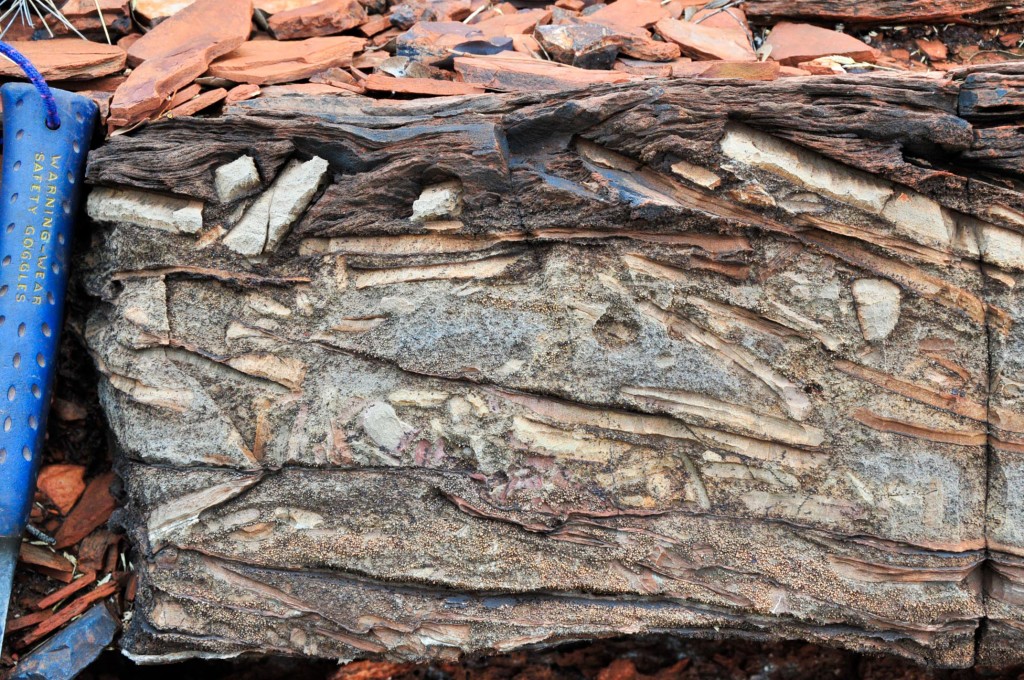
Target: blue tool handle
{"points": [[42, 179]]}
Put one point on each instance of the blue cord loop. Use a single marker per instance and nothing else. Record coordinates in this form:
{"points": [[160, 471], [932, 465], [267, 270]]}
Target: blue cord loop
{"points": [[49, 103]]}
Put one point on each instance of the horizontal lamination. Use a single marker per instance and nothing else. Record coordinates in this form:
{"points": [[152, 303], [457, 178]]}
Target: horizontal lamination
{"points": [[672, 356]]}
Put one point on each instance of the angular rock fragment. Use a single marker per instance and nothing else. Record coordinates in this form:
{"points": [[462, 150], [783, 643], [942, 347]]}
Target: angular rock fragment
{"points": [[696, 40], [242, 92], [323, 18], [198, 103], [145, 209], [433, 41], [155, 10], [375, 24], [399, 67], [92, 510], [638, 44], [630, 13], [383, 427], [422, 86], [151, 10], [269, 218], [175, 53], [407, 14], [583, 45], [826, 65], [793, 43], [268, 62], [741, 70], [67, 59], [523, 74], [727, 19], [62, 484], [438, 202], [934, 49], [505, 25], [641, 67], [629, 23], [878, 307], [236, 179], [183, 95], [85, 15]]}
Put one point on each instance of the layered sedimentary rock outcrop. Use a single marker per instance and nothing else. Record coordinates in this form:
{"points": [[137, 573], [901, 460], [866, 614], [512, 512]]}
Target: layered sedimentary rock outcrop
{"points": [[462, 375]]}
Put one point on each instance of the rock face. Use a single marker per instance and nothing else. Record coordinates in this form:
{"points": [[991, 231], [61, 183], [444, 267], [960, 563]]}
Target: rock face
{"points": [[613, 354]]}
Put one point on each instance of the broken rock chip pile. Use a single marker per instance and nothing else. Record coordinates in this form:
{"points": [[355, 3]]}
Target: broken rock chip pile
{"points": [[180, 57]]}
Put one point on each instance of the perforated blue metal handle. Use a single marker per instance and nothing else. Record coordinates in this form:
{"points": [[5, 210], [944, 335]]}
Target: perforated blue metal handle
{"points": [[42, 177]]}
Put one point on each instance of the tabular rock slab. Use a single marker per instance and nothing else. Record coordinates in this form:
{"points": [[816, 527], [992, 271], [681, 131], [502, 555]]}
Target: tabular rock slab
{"points": [[378, 82], [145, 209], [67, 59], [265, 62], [707, 42], [795, 43], [610, 353], [521, 73], [502, 25], [631, 13], [323, 18], [876, 12]]}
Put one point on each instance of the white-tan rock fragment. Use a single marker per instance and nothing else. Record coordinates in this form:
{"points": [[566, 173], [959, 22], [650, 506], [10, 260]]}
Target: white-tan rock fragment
{"points": [[267, 221], [145, 209], [438, 202], [753, 194], [1001, 247], [184, 511], [916, 214], [262, 304], [144, 303], [1002, 212], [383, 426], [283, 370], [293, 192], [697, 174], [912, 214], [476, 269], [805, 168], [249, 236], [235, 179], [420, 398], [878, 307]]}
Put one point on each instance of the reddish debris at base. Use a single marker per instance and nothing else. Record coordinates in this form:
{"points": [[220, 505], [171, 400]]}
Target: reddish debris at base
{"points": [[92, 511]]}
